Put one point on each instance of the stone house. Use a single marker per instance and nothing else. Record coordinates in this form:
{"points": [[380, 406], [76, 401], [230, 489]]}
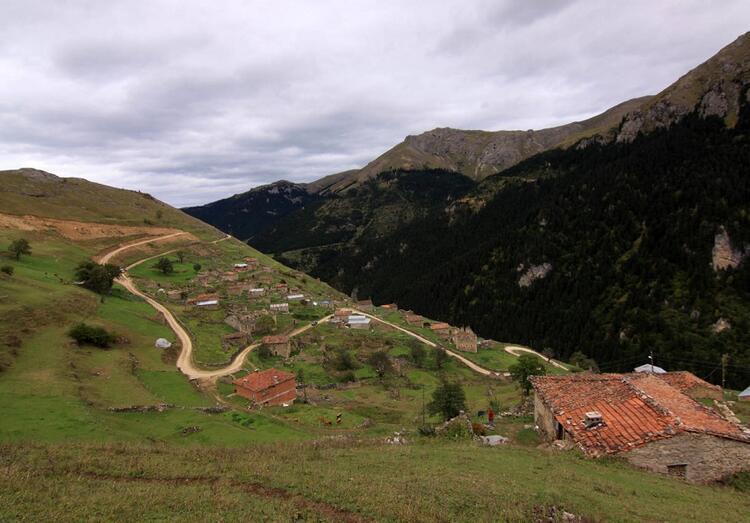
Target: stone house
{"points": [[744, 395], [643, 419], [365, 305], [389, 306], [229, 276], [252, 263], [256, 292], [279, 307], [279, 345], [243, 322], [205, 301], [441, 329], [268, 387], [341, 315], [175, 294], [414, 319], [281, 288], [464, 339], [690, 384]]}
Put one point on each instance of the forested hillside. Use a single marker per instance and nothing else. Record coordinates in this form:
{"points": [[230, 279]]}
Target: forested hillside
{"points": [[619, 238]]}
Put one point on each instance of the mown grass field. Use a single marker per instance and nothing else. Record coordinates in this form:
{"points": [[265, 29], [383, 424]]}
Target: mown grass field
{"points": [[342, 480]]}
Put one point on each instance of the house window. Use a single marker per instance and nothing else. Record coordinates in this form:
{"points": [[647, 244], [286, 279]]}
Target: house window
{"points": [[677, 470], [558, 430]]}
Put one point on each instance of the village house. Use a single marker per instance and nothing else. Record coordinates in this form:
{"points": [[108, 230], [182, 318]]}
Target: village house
{"points": [[237, 289], [240, 267], [295, 297], [464, 339], [357, 321], [229, 276], [281, 288], [279, 307], [341, 315], [441, 329], [175, 294], [389, 306], [268, 387], [278, 344], [413, 319], [252, 263], [205, 301], [365, 305], [690, 384], [242, 321], [264, 278], [256, 292], [744, 395], [235, 340], [642, 418]]}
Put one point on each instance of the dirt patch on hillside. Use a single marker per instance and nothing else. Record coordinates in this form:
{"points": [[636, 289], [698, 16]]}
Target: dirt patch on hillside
{"points": [[75, 230]]}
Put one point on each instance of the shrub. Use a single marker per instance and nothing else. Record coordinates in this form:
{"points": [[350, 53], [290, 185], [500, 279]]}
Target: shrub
{"points": [[7, 269], [479, 429], [427, 430], [19, 247], [92, 335], [348, 377], [457, 429], [381, 363], [344, 361], [196, 267], [164, 265], [95, 277], [264, 352]]}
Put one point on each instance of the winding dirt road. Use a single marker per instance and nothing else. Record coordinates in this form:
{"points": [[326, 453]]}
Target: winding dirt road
{"points": [[515, 349], [185, 359], [473, 366]]}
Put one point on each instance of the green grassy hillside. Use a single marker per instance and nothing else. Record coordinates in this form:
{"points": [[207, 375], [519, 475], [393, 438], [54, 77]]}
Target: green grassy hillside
{"points": [[30, 191], [342, 480]]}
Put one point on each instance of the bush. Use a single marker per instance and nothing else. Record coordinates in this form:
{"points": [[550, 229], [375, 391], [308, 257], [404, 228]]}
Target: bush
{"points": [[165, 265], [479, 429], [95, 277], [427, 430], [347, 377], [264, 352], [92, 335], [457, 429], [344, 361], [7, 269]]}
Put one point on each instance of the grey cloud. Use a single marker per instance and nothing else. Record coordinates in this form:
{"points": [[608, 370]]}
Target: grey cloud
{"points": [[193, 103]]}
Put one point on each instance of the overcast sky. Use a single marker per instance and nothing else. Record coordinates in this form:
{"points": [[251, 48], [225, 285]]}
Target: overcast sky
{"points": [[194, 101]]}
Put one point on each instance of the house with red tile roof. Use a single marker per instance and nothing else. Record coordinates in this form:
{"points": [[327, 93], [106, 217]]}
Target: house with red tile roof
{"points": [[268, 387], [692, 385], [645, 419]]}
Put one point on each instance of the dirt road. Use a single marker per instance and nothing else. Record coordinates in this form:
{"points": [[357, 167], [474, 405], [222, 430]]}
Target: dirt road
{"points": [[185, 359], [515, 349], [473, 366]]}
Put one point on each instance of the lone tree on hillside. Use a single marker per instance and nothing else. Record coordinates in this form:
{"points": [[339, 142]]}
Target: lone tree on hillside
{"points": [[528, 365], [441, 357], [95, 277], [381, 363], [19, 247], [180, 255], [417, 353], [165, 265], [448, 399]]}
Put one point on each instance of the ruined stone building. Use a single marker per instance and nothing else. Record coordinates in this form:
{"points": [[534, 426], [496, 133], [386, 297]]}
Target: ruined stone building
{"points": [[464, 339], [279, 345], [649, 419]]}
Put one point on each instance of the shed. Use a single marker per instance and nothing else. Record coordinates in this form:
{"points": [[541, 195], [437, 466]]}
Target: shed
{"points": [[648, 367], [744, 395]]}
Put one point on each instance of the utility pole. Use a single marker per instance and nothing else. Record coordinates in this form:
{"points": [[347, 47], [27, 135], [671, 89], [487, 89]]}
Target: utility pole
{"points": [[724, 361], [651, 360]]}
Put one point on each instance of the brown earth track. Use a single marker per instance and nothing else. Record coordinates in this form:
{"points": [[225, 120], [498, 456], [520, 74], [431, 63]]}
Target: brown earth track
{"points": [[77, 230]]}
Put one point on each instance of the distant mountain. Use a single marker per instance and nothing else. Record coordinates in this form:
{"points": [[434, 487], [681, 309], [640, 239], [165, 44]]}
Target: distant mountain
{"points": [[603, 236], [246, 215]]}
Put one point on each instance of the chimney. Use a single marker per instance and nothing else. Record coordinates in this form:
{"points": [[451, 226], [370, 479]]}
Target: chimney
{"points": [[593, 419]]}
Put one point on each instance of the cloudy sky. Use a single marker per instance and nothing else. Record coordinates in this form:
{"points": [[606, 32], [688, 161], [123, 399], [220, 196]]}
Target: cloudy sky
{"points": [[193, 101]]}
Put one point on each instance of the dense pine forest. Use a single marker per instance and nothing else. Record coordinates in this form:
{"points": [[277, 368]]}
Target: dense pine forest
{"points": [[625, 231]]}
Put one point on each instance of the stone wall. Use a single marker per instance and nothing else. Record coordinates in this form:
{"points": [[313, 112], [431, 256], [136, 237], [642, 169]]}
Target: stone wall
{"points": [[544, 419], [707, 458]]}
